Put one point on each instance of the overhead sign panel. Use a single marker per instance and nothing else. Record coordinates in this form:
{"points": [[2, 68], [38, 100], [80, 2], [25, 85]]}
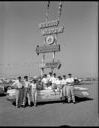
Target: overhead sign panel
{"points": [[49, 24], [51, 65], [49, 31], [47, 48]]}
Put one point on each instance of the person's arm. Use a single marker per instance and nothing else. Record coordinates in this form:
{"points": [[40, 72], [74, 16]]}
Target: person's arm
{"points": [[14, 85], [73, 81]]}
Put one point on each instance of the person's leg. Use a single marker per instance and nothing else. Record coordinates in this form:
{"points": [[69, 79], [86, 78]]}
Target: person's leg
{"points": [[72, 94], [35, 98], [21, 96], [63, 91], [29, 99], [53, 88], [24, 98], [68, 94], [17, 98]]}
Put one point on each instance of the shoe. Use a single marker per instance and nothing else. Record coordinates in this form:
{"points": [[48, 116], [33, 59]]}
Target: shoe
{"points": [[74, 102], [23, 106], [17, 106], [35, 105]]}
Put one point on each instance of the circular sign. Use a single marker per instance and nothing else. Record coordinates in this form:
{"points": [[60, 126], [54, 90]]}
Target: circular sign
{"points": [[50, 40]]}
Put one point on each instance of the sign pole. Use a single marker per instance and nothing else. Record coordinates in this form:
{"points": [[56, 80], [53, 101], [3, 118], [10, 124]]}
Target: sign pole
{"points": [[43, 58]]}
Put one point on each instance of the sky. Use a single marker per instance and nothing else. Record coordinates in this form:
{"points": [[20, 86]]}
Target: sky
{"points": [[20, 34]]}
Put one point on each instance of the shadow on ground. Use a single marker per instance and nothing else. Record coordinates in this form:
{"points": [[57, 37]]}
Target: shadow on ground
{"points": [[78, 100], [2, 95]]}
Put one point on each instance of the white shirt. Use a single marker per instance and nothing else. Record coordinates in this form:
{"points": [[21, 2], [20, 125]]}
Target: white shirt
{"points": [[45, 80], [33, 85], [26, 84], [50, 78], [63, 81], [17, 84], [58, 82], [70, 81], [53, 80]]}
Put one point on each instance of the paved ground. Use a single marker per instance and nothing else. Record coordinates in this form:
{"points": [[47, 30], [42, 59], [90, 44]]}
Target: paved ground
{"points": [[83, 113]]}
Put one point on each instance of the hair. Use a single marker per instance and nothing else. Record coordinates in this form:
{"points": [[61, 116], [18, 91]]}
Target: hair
{"points": [[26, 77], [19, 78], [50, 73], [69, 74], [64, 75], [34, 80], [54, 74], [45, 75], [59, 77]]}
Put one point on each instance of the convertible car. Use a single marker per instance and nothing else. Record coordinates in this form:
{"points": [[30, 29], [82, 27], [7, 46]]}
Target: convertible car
{"points": [[50, 95]]}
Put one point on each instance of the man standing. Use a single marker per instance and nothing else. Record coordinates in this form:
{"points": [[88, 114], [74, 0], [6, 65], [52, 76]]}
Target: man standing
{"points": [[70, 88], [49, 77], [26, 91], [63, 82], [44, 81], [53, 80], [18, 86], [58, 84], [34, 91]]}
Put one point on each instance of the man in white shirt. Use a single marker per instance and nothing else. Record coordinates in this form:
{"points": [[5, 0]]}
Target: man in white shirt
{"points": [[26, 91], [70, 88], [59, 85], [53, 81], [33, 85], [18, 85], [63, 82], [49, 78], [44, 81]]}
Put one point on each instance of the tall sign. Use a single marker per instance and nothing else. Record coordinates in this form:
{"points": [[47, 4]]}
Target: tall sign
{"points": [[50, 31]]}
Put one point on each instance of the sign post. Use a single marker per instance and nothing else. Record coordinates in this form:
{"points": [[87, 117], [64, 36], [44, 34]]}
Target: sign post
{"points": [[50, 31]]}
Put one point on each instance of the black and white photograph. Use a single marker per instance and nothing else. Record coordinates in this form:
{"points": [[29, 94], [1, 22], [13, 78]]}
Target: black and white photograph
{"points": [[49, 63]]}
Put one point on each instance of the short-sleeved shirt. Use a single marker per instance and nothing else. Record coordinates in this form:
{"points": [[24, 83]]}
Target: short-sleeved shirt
{"points": [[33, 85], [26, 84], [45, 80], [63, 82], [58, 82], [53, 80], [70, 81], [18, 84]]}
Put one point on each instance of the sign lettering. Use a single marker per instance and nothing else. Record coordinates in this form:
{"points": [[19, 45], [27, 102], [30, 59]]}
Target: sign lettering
{"points": [[47, 48], [49, 24], [52, 31], [51, 65]]}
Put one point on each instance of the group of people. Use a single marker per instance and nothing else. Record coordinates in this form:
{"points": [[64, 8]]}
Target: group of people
{"points": [[61, 83], [27, 90]]}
